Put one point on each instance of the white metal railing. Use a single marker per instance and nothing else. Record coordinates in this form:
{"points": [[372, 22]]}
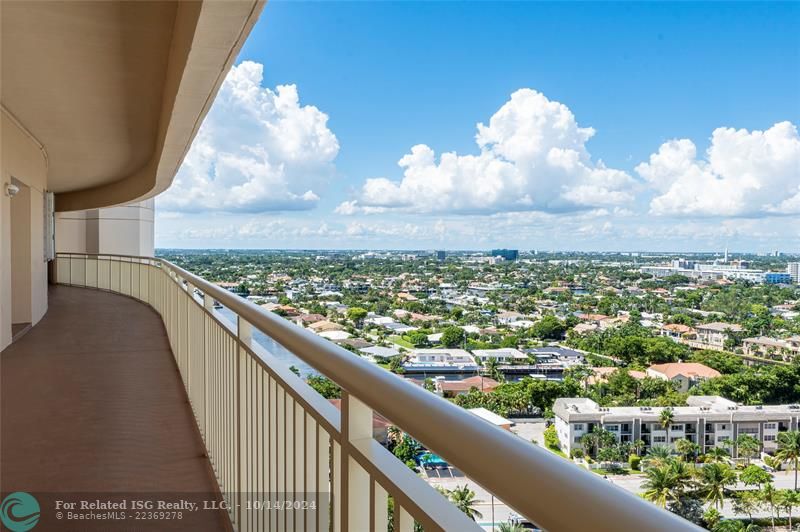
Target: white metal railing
{"points": [[268, 434]]}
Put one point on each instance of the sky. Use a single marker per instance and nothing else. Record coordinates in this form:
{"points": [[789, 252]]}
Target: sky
{"points": [[646, 126]]}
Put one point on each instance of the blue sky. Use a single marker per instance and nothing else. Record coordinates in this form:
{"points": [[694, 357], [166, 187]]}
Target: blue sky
{"points": [[316, 165]]}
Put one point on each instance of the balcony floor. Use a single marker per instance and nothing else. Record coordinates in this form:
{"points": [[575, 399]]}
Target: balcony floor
{"points": [[91, 401]]}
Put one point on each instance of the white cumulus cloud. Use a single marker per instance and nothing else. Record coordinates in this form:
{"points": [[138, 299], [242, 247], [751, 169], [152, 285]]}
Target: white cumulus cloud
{"points": [[744, 173], [532, 156], [257, 150]]}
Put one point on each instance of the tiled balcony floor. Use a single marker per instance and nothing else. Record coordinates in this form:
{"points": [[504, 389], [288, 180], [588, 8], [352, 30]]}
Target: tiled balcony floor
{"points": [[91, 401]]}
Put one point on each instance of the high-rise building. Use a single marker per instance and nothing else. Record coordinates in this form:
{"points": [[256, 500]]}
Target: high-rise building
{"points": [[506, 254], [793, 269], [441, 255]]}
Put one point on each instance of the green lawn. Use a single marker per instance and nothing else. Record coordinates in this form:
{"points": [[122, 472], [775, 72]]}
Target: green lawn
{"points": [[400, 341], [556, 450], [603, 471]]}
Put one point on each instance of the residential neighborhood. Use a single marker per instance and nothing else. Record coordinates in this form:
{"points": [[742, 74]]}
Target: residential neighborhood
{"points": [[600, 358]]}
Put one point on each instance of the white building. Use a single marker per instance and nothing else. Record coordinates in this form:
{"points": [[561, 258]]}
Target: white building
{"points": [[706, 420], [505, 355], [507, 317], [700, 271], [713, 335], [440, 359], [793, 269]]}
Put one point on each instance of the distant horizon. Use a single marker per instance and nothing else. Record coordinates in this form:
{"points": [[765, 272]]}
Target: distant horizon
{"points": [[527, 251]]}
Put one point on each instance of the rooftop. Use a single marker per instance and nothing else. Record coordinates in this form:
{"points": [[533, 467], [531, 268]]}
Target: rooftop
{"points": [[687, 369], [711, 407]]}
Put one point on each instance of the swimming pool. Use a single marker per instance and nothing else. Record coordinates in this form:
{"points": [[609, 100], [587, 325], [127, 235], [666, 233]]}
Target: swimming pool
{"points": [[431, 460]]}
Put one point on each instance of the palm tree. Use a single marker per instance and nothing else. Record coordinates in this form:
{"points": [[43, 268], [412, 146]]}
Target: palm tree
{"points": [[769, 496], [714, 478], [638, 446], [789, 499], [789, 449], [662, 486], [492, 369], [735, 525], [667, 415], [687, 448], [682, 470], [510, 527], [464, 499], [718, 454], [588, 442], [747, 446], [657, 456]]}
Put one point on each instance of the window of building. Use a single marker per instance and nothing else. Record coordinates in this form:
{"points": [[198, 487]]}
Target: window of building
{"points": [[674, 439], [676, 427], [659, 439], [626, 427], [770, 426], [612, 428], [723, 426], [748, 430], [578, 426], [576, 439], [769, 437]]}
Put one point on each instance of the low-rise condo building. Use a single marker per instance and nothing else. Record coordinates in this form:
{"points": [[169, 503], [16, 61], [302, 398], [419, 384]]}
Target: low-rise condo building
{"points": [[707, 420], [713, 335], [775, 348]]}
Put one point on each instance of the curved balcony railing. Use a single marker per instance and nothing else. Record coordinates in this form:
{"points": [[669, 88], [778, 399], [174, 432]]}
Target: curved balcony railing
{"points": [[268, 433]]}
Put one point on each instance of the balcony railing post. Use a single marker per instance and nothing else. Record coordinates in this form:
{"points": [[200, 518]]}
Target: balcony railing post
{"points": [[244, 331], [356, 425], [208, 302]]}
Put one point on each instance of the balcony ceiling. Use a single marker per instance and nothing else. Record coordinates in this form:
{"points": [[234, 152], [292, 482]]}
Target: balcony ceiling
{"points": [[115, 91]]}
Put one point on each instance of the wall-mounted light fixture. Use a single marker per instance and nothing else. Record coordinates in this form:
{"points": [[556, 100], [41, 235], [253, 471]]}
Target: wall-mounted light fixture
{"points": [[11, 190]]}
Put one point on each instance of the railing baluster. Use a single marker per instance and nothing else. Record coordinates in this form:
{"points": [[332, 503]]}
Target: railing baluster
{"points": [[379, 504], [356, 425], [325, 480], [405, 523]]}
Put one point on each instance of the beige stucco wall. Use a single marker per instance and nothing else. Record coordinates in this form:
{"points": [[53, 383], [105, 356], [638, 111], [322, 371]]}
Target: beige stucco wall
{"points": [[123, 230], [22, 159], [21, 308]]}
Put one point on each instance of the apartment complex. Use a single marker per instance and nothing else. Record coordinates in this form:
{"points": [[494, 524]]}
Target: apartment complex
{"points": [[708, 421], [702, 336], [734, 271], [775, 348]]}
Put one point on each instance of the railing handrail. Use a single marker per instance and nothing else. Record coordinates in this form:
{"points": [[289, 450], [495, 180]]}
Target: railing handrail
{"points": [[548, 490]]}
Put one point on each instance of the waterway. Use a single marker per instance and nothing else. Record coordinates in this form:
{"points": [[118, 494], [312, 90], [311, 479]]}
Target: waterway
{"points": [[271, 346]]}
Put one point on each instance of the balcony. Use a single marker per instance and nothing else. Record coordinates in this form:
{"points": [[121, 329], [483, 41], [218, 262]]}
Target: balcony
{"points": [[92, 401]]}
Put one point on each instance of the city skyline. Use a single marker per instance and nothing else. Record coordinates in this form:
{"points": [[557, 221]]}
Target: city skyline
{"points": [[629, 143]]}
